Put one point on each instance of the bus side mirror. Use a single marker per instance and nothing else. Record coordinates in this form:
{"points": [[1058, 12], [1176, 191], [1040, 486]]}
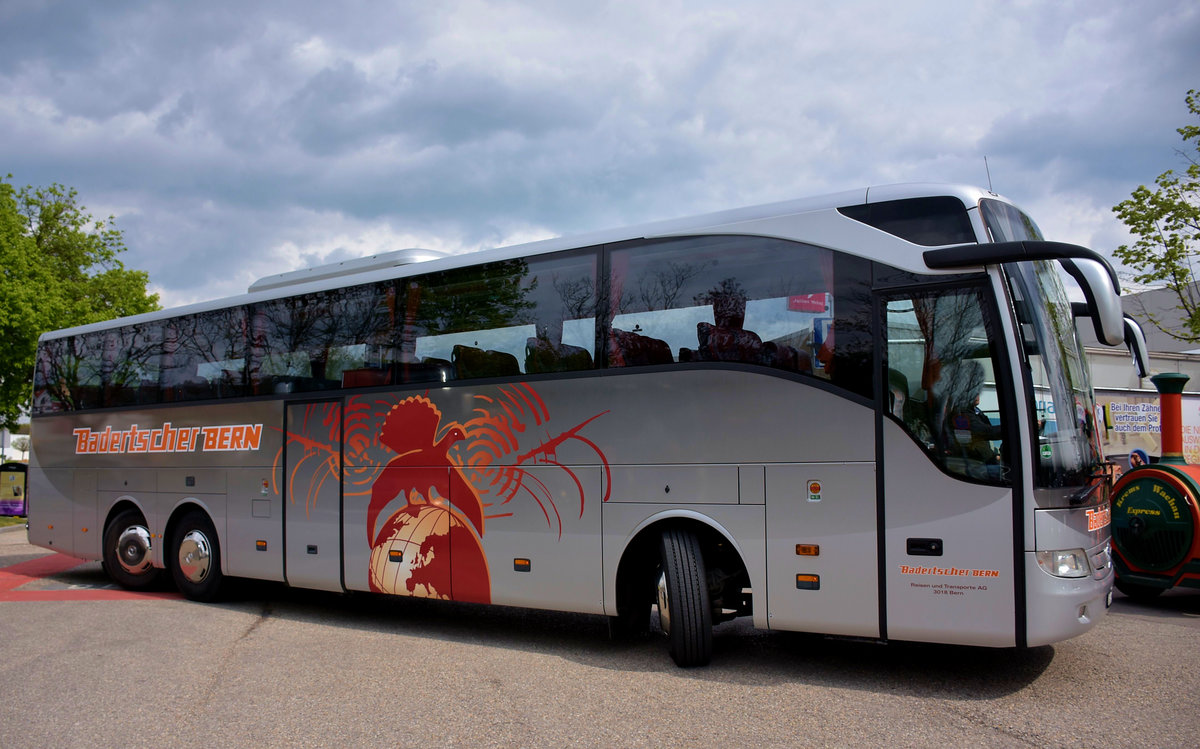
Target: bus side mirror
{"points": [[1104, 301], [1136, 341]]}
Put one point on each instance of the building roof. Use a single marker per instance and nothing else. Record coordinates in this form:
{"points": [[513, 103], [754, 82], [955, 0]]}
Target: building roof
{"points": [[1161, 305]]}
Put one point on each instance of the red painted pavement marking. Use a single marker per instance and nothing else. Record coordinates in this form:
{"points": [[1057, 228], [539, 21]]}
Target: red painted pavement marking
{"points": [[20, 574], [14, 576]]}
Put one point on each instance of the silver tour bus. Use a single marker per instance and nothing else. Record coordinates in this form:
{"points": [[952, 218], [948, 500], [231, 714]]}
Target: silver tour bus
{"points": [[819, 414]]}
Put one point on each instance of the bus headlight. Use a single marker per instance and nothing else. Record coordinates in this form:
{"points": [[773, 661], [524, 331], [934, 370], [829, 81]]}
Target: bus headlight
{"points": [[1068, 563]]}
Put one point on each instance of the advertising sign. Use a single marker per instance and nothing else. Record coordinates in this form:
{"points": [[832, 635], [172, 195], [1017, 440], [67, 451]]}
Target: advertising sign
{"points": [[12, 489], [1131, 423]]}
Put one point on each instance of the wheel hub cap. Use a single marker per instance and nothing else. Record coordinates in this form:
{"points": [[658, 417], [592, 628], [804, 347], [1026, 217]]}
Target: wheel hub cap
{"points": [[133, 549], [195, 556]]}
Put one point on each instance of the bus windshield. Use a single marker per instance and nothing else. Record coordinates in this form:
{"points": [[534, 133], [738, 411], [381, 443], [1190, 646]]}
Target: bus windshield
{"points": [[1068, 453], [1068, 443]]}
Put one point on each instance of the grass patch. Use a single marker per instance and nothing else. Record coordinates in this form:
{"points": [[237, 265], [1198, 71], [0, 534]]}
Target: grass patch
{"points": [[6, 521]]}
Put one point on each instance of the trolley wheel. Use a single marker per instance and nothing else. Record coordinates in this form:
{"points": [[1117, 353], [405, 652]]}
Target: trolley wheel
{"points": [[683, 606], [1138, 592], [128, 550], [195, 557]]}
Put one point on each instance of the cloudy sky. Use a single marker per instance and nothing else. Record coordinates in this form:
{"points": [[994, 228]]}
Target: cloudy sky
{"points": [[233, 140]]}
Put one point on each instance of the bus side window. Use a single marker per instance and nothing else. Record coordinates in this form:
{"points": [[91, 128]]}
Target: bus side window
{"points": [[745, 300], [940, 382]]}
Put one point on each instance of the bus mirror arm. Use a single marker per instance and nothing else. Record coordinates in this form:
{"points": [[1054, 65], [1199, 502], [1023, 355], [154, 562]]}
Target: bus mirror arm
{"points": [[1089, 268]]}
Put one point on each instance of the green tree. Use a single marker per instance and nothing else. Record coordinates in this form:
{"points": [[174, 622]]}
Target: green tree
{"points": [[1166, 223], [58, 268]]}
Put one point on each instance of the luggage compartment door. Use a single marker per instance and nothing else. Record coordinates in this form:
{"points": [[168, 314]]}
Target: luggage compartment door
{"points": [[312, 490]]}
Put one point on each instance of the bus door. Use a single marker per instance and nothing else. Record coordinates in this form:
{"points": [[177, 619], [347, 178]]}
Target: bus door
{"points": [[312, 489], [947, 472]]}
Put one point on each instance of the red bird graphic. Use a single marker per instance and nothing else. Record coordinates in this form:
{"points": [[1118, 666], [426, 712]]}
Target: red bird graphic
{"points": [[422, 471]]}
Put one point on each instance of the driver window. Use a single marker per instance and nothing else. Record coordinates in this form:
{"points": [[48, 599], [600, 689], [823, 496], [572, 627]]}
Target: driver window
{"points": [[941, 384]]}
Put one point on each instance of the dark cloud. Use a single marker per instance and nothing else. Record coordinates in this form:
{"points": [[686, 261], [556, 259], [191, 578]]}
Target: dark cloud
{"points": [[339, 110], [234, 140], [1113, 124]]}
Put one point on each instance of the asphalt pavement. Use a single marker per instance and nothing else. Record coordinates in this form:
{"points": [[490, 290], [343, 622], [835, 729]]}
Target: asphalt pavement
{"points": [[85, 664]]}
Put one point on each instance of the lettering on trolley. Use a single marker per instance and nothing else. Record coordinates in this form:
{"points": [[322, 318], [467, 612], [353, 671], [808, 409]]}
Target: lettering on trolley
{"points": [[168, 439]]}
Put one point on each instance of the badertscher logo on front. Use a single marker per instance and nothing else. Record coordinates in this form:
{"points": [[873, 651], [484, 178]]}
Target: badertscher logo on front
{"points": [[168, 439]]}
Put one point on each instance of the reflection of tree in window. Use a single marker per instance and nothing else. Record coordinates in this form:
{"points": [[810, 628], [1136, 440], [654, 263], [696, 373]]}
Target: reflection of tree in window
{"points": [[293, 335], [578, 296], [564, 312], [477, 310], [728, 300], [97, 369], [56, 380], [363, 319], [479, 298], [130, 364], [944, 413], [659, 287], [202, 352]]}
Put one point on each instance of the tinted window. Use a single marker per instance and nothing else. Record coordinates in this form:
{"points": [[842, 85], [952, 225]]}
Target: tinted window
{"points": [[1006, 223], [204, 356], [925, 221], [748, 300], [506, 318], [320, 341], [745, 300], [941, 385]]}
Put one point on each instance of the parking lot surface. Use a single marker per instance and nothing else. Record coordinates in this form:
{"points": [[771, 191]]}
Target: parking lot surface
{"points": [[85, 664]]}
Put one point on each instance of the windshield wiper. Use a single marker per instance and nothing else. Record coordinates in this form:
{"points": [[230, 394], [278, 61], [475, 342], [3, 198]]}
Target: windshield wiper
{"points": [[1082, 496]]}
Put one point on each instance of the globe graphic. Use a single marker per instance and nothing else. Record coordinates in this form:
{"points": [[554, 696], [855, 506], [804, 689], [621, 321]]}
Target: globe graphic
{"points": [[430, 551]]}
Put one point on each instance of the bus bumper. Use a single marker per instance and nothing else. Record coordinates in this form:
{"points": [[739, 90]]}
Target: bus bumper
{"points": [[1059, 608]]}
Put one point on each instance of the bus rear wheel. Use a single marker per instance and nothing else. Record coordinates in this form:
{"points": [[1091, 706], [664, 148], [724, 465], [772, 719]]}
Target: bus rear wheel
{"points": [[195, 557], [684, 612], [128, 550]]}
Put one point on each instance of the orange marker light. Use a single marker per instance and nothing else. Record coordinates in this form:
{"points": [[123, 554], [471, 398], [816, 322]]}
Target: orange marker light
{"points": [[395, 555], [808, 550], [260, 545], [522, 565], [808, 582]]}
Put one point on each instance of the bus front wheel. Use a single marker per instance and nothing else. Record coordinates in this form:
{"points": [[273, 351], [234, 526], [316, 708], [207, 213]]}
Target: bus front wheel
{"points": [[196, 557], [127, 551], [683, 605]]}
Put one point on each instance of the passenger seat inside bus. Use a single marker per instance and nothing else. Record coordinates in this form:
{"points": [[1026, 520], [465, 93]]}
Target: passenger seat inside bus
{"points": [[727, 344], [629, 349], [473, 362], [543, 355]]}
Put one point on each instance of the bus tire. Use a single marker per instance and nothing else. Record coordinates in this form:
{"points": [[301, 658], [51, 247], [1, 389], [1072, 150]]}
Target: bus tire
{"points": [[683, 605], [195, 557], [1138, 592], [128, 551]]}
